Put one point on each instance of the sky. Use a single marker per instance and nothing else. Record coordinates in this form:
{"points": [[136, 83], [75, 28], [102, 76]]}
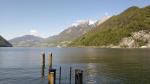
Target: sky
{"points": [[45, 18]]}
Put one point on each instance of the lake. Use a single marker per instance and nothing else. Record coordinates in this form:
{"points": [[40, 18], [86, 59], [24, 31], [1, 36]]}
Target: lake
{"points": [[100, 66]]}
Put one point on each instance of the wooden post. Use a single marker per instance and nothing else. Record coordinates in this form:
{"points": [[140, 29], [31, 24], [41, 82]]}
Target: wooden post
{"points": [[43, 65], [70, 75], [60, 75], [52, 76], [78, 76], [50, 60], [43, 60]]}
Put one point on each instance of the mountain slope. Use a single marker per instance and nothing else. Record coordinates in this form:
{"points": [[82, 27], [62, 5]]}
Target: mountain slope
{"points": [[4, 43], [26, 41], [116, 28], [71, 33]]}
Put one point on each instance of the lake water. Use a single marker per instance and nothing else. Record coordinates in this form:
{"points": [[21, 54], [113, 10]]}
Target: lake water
{"points": [[100, 66]]}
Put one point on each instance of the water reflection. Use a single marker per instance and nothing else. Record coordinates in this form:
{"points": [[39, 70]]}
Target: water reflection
{"points": [[91, 73], [42, 71]]}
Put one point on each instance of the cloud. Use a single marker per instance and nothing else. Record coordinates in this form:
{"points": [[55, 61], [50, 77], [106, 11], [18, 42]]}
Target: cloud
{"points": [[92, 22], [78, 22], [34, 32]]}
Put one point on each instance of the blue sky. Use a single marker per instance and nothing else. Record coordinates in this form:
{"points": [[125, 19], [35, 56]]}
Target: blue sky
{"points": [[49, 17]]}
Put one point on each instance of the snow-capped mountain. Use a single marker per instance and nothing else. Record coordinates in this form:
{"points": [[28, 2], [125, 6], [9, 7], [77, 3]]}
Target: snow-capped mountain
{"points": [[72, 32]]}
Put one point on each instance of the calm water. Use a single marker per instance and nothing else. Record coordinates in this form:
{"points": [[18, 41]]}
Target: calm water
{"points": [[100, 66]]}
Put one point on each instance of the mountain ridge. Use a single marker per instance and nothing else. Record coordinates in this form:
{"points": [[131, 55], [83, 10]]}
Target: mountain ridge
{"points": [[72, 32], [112, 31], [26, 41]]}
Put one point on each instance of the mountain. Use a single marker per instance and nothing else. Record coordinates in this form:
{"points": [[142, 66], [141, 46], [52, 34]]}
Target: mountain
{"points": [[62, 39], [26, 41], [73, 32], [4, 43], [115, 29]]}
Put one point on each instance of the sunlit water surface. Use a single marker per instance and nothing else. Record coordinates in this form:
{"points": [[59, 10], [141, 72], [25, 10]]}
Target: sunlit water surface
{"points": [[100, 66]]}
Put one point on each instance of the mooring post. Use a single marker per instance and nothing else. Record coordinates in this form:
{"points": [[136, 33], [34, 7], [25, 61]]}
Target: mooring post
{"points": [[52, 72], [50, 59], [43, 65], [43, 60], [78, 76], [70, 75], [60, 75], [52, 76]]}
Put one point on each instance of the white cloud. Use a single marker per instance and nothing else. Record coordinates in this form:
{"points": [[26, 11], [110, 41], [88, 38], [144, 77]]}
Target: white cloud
{"points": [[78, 22], [92, 22], [34, 32]]}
